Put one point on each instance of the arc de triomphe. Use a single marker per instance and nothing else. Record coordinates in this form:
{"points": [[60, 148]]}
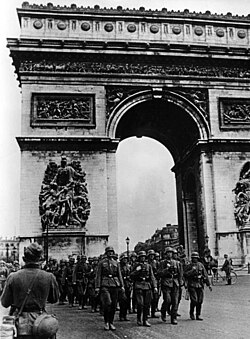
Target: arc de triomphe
{"points": [[91, 77]]}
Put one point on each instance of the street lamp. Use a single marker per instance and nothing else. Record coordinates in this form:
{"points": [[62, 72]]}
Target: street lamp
{"points": [[127, 242], [206, 240], [14, 253], [7, 252]]}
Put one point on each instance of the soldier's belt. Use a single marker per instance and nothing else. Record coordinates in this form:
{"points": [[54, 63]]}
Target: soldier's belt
{"points": [[144, 279]]}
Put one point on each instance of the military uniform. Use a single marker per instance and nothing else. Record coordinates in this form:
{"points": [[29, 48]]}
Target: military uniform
{"points": [[170, 274], [44, 289], [155, 265], [80, 279], [108, 281], [67, 281], [196, 276], [125, 298], [144, 281]]}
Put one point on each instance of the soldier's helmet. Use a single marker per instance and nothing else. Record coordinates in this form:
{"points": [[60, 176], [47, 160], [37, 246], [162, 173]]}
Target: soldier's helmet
{"points": [[123, 256], [195, 255], [109, 249], [45, 326], [151, 252], [175, 251], [142, 253], [83, 256], [133, 254], [168, 249], [157, 254]]}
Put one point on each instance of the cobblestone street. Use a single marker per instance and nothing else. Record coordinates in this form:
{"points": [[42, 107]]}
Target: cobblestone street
{"points": [[226, 315]]}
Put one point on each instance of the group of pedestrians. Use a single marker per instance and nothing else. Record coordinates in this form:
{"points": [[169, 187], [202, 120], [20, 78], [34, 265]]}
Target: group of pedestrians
{"points": [[135, 283]]}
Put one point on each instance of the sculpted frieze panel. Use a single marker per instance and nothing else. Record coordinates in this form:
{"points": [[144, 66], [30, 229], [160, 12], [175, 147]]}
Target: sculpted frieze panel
{"points": [[62, 110], [63, 199], [207, 71], [242, 198], [234, 113]]}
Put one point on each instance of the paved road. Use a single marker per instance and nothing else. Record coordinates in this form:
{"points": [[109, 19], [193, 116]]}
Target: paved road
{"points": [[226, 314]]}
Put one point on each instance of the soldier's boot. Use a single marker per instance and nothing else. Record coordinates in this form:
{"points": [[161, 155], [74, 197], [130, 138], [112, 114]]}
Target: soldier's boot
{"points": [[191, 312], [163, 316], [173, 321], [106, 327], [145, 318], [229, 281], [139, 322], [198, 312]]}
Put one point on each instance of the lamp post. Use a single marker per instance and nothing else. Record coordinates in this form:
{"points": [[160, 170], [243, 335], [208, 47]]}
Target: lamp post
{"points": [[7, 252], [127, 242], [206, 240], [14, 252]]}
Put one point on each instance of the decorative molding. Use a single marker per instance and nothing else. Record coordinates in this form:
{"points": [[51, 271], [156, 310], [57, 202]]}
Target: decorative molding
{"points": [[63, 199], [234, 113], [115, 94], [120, 10], [177, 69], [54, 109]]}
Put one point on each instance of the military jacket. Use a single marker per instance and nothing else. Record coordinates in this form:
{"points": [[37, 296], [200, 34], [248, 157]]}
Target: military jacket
{"points": [[143, 276], [170, 273], [67, 277], [44, 289], [80, 272], [108, 274], [126, 270], [196, 275]]}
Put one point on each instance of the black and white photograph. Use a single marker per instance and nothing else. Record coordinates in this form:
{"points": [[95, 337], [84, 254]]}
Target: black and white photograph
{"points": [[125, 169]]}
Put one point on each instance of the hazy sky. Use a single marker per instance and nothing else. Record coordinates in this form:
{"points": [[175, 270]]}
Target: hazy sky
{"points": [[144, 174]]}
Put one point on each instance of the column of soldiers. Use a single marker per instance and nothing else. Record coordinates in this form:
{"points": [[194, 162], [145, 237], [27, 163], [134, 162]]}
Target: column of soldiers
{"points": [[134, 283]]}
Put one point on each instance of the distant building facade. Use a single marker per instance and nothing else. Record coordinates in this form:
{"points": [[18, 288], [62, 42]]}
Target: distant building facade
{"points": [[9, 249]]}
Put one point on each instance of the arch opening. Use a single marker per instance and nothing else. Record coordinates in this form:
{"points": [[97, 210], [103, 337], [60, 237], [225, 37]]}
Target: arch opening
{"points": [[163, 121], [146, 189]]}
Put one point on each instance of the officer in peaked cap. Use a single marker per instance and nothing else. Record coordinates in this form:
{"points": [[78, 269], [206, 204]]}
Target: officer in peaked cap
{"points": [[44, 288], [144, 283], [80, 279], [107, 283], [196, 275]]}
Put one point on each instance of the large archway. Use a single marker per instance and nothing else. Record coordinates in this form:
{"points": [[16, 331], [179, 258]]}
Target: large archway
{"points": [[178, 125]]}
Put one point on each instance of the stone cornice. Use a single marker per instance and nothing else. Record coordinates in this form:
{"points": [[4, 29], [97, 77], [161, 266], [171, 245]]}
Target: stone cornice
{"points": [[119, 10], [70, 143]]}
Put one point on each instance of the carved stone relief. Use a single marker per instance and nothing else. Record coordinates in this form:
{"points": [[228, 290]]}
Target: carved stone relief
{"points": [[135, 68], [234, 113], [242, 198], [63, 199], [62, 110]]}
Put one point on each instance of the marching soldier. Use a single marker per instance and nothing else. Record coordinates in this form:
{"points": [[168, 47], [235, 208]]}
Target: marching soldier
{"points": [[107, 283], [67, 281], [91, 284], [125, 299], [196, 276], [59, 277], [133, 261], [80, 280], [170, 274], [143, 276], [154, 265]]}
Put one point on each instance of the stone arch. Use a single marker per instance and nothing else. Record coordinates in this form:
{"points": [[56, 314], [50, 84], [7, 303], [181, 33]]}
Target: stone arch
{"points": [[157, 93]]}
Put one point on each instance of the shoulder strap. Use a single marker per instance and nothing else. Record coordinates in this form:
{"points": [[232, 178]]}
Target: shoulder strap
{"points": [[28, 293]]}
